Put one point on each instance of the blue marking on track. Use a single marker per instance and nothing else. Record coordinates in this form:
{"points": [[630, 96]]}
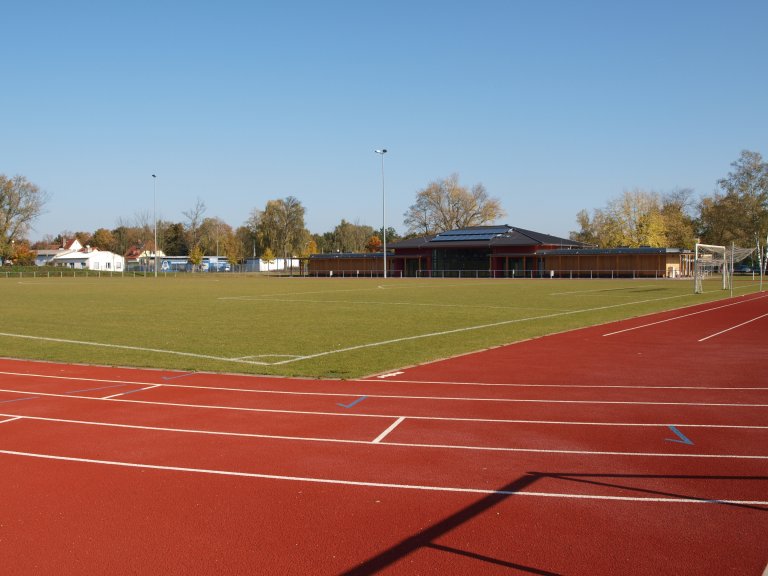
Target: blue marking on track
{"points": [[93, 389], [353, 403], [681, 438], [20, 399], [179, 376]]}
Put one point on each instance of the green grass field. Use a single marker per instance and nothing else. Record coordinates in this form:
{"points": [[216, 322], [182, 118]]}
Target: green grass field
{"points": [[342, 328]]}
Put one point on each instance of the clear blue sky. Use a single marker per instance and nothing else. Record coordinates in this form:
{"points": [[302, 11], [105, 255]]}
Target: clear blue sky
{"points": [[553, 105]]}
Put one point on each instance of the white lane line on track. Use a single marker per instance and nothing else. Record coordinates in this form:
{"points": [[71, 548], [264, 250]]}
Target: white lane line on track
{"points": [[732, 328], [685, 316], [386, 432], [388, 416], [375, 379], [10, 419], [383, 484], [442, 398], [398, 444], [131, 392]]}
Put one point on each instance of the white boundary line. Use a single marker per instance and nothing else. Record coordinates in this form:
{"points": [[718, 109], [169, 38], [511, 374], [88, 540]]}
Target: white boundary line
{"points": [[385, 303], [602, 290], [342, 350], [376, 380], [136, 348], [732, 328], [130, 392], [398, 444], [388, 416], [685, 315], [401, 444], [382, 484], [479, 327], [10, 419], [435, 398]]}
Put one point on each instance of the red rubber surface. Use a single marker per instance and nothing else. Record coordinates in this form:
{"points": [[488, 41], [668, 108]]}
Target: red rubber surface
{"points": [[552, 456]]}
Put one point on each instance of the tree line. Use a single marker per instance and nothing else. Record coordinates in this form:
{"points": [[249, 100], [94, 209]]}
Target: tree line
{"points": [[276, 231], [736, 212]]}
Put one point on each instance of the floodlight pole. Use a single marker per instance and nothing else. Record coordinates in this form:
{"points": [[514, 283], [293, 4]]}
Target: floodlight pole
{"points": [[154, 214], [383, 210]]}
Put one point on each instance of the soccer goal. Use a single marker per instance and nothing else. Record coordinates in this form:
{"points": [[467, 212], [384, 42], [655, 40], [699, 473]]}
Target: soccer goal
{"points": [[711, 260]]}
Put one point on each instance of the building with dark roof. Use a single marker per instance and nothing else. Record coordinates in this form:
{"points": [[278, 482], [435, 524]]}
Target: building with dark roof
{"points": [[497, 251], [504, 252]]}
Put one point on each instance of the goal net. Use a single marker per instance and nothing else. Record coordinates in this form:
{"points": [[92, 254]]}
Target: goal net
{"points": [[711, 260]]}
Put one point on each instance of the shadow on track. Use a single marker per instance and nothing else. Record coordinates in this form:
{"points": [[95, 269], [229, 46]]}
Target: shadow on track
{"points": [[602, 480], [425, 538]]}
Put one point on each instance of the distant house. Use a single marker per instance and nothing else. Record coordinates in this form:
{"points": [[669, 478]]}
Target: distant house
{"points": [[143, 258], [44, 257], [89, 259]]}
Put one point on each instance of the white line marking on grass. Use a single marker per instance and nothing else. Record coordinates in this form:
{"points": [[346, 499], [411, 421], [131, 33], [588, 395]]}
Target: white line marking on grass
{"points": [[386, 303], [386, 432], [268, 356], [340, 350], [10, 419], [310, 479], [732, 328], [480, 327], [136, 348], [684, 316], [604, 290]]}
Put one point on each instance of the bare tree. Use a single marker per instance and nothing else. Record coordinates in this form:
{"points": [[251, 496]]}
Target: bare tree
{"points": [[446, 205], [21, 202], [195, 219]]}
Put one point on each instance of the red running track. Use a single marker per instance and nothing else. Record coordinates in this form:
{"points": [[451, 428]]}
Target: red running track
{"points": [[639, 447]]}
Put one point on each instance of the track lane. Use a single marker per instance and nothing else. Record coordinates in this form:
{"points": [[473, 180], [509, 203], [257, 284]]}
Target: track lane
{"points": [[389, 464], [628, 411], [183, 524]]}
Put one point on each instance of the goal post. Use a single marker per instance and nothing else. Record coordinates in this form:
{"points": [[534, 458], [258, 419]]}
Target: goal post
{"points": [[710, 259]]}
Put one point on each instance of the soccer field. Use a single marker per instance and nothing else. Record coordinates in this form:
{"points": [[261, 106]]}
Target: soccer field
{"points": [[342, 328]]}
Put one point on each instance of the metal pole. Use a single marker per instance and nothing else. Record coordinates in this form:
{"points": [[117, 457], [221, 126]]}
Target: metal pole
{"points": [[154, 214], [383, 210]]}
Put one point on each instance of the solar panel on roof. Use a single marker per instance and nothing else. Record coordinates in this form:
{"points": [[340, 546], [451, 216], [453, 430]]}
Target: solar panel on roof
{"points": [[468, 235]]}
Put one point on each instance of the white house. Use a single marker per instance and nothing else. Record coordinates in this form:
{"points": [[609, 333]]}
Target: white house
{"points": [[90, 259], [44, 257]]}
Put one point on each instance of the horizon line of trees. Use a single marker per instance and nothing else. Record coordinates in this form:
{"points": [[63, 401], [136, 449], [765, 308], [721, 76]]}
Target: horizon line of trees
{"points": [[277, 231], [736, 212]]}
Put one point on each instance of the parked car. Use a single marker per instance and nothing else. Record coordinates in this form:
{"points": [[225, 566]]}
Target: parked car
{"points": [[742, 269]]}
